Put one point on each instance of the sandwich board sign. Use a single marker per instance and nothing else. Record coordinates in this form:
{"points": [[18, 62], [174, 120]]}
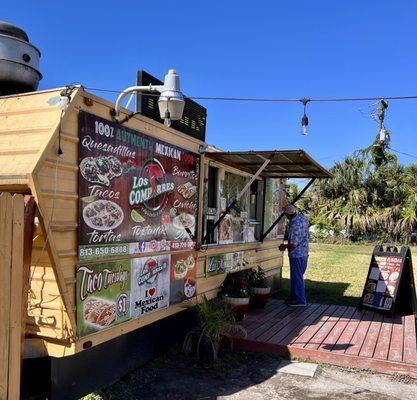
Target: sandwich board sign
{"points": [[390, 286]]}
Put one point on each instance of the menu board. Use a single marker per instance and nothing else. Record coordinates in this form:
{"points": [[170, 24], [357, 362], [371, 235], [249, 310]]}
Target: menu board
{"points": [[103, 296], [113, 292], [183, 277], [390, 283], [137, 194]]}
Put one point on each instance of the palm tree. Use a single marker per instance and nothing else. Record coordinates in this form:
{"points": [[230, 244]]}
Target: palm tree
{"points": [[366, 198], [408, 219], [348, 174], [357, 216]]}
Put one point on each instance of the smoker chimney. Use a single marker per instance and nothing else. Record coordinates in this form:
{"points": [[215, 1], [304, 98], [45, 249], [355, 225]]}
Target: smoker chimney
{"points": [[19, 61]]}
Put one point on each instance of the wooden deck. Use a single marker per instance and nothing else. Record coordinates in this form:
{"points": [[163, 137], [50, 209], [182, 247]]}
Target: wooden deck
{"points": [[338, 335]]}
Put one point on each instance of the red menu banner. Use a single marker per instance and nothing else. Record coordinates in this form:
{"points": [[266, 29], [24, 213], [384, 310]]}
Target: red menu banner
{"points": [[382, 283], [137, 194]]}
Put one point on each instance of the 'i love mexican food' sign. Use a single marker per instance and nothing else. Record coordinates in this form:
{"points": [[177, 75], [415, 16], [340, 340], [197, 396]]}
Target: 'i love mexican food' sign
{"points": [[137, 194]]}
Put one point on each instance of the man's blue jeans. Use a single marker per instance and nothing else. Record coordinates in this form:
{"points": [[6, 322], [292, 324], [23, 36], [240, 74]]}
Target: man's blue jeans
{"points": [[298, 266]]}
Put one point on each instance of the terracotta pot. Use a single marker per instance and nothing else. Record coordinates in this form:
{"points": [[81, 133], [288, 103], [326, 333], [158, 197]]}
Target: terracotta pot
{"points": [[260, 296], [239, 305]]}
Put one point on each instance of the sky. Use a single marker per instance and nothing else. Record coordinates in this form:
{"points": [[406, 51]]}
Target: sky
{"points": [[272, 49]]}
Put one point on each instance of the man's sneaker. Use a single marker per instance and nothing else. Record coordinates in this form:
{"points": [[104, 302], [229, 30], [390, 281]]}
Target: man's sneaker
{"points": [[293, 303]]}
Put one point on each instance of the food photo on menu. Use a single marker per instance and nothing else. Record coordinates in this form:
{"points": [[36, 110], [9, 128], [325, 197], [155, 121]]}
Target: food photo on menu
{"points": [[99, 313], [394, 276], [371, 285], [103, 215], [100, 169], [369, 298], [226, 231], [183, 276]]}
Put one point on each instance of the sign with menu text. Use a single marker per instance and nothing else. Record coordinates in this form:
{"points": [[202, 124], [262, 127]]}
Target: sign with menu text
{"points": [[137, 194], [225, 263], [390, 284], [113, 292], [183, 277], [150, 284], [103, 296]]}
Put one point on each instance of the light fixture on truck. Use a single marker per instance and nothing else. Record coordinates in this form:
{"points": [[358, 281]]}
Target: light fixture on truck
{"points": [[170, 102]]}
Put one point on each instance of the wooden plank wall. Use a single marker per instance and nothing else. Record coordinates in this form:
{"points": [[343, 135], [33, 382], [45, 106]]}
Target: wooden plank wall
{"points": [[26, 122]]}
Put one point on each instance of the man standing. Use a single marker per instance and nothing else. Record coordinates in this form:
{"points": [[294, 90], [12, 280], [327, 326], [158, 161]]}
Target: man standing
{"points": [[298, 254]]}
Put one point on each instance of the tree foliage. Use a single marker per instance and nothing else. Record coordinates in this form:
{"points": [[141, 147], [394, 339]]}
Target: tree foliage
{"points": [[370, 196]]}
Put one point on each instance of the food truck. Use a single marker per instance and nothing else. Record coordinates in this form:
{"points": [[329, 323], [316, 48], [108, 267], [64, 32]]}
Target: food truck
{"points": [[133, 220]]}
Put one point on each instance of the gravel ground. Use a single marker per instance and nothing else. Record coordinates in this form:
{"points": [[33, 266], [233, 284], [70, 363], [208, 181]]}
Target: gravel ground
{"points": [[250, 376]]}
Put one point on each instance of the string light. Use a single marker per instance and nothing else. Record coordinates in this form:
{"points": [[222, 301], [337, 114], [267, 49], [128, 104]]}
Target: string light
{"points": [[271, 100], [304, 119], [383, 134]]}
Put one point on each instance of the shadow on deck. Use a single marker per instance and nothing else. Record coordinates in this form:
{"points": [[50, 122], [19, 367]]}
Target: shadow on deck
{"points": [[321, 292], [334, 334]]}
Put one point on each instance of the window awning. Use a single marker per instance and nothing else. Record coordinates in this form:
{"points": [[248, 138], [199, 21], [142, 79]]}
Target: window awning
{"points": [[282, 164]]}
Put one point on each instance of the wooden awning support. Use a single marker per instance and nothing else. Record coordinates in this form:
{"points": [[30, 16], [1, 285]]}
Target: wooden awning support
{"points": [[298, 197]]}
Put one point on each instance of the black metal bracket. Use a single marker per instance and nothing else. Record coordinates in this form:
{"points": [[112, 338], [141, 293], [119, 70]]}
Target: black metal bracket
{"points": [[299, 195]]}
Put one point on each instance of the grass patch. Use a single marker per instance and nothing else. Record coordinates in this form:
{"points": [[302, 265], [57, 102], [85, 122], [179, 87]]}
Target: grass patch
{"points": [[335, 274]]}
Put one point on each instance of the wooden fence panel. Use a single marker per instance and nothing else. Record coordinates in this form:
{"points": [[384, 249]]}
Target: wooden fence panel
{"points": [[15, 241], [5, 279], [16, 299]]}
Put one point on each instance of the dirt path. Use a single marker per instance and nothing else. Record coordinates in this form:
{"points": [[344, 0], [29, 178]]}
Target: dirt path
{"points": [[248, 376]]}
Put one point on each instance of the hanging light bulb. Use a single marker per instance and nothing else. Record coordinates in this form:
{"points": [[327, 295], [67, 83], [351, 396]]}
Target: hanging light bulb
{"points": [[304, 125], [167, 119], [304, 119]]}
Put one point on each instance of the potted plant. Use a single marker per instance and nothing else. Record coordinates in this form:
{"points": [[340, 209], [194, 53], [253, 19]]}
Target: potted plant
{"points": [[215, 320], [259, 288], [235, 293]]}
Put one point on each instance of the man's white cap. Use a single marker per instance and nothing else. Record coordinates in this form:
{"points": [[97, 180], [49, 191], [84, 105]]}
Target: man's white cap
{"points": [[289, 209]]}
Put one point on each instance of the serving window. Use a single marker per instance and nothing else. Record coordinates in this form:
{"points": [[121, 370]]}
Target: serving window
{"points": [[244, 222]]}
